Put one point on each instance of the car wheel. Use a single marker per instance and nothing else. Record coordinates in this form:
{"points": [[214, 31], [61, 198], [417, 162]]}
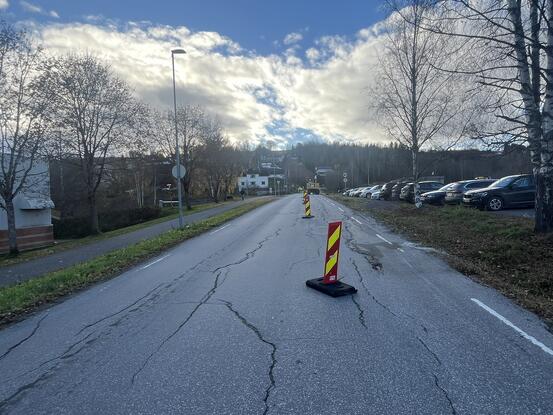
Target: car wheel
{"points": [[495, 203]]}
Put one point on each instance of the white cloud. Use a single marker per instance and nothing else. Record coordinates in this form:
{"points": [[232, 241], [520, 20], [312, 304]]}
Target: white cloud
{"points": [[292, 38], [4, 4], [33, 8], [29, 7], [257, 98]]}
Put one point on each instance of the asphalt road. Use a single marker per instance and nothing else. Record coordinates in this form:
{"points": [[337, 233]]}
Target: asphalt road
{"points": [[23, 271], [224, 324]]}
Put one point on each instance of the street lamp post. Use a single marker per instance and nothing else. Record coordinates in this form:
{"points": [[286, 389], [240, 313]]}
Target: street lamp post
{"points": [[179, 191]]}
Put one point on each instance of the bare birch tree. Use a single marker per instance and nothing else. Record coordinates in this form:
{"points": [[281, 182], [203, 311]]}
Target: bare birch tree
{"points": [[191, 122], [22, 121], [416, 101], [95, 110], [512, 45]]}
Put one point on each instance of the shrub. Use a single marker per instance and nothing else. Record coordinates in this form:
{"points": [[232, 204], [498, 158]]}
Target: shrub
{"points": [[77, 227]]}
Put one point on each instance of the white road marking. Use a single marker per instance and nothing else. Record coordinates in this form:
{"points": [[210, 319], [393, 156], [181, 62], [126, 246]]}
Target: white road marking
{"points": [[401, 250], [408, 263], [220, 229], [358, 221], [384, 239], [515, 328], [155, 262], [340, 208]]}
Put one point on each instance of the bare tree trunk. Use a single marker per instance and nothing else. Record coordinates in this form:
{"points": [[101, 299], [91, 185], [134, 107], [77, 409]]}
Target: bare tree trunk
{"points": [[544, 199], [187, 194], [93, 215], [12, 231]]}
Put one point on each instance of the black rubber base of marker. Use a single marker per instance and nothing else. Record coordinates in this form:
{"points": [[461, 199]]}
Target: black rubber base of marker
{"points": [[338, 289]]}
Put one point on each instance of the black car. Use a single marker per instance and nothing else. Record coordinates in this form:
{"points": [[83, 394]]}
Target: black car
{"points": [[436, 197], [510, 191], [396, 190], [408, 191], [454, 196], [386, 191]]}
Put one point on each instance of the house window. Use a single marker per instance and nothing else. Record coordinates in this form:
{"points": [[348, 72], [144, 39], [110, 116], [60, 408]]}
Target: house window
{"points": [[252, 183], [263, 182], [243, 183]]}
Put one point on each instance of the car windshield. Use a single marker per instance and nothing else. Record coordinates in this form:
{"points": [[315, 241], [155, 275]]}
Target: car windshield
{"points": [[447, 187], [503, 182]]}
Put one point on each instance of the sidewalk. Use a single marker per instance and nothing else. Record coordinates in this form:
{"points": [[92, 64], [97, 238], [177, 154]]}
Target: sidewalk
{"points": [[12, 274]]}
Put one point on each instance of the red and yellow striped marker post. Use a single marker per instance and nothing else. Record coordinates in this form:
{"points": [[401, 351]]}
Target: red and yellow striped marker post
{"points": [[307, 208], [332, 253], [329, 283]]}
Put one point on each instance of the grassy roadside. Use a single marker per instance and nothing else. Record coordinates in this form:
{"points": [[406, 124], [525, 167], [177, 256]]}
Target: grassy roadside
{"points": [[172, 213], [20, 299], [499, 251]]}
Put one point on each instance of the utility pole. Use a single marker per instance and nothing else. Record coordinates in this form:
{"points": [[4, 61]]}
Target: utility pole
{"points": [[179, 178]]}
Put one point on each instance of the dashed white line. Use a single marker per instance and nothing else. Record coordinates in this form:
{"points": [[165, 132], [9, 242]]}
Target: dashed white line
{"points": [[155, 262], [515, 328], [340, 208], [220, 229], [384, 239], [401, 250], [356, 220]]}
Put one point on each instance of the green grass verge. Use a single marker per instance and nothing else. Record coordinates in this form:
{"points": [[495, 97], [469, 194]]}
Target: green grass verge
{"points": [[19, 299], [500, 251], [168, 214]]}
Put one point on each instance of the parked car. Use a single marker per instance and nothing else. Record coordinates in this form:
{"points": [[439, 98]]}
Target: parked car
{"points": [[510, 191], [454, 196], [396, 190], [376, 195], [350, 191], [436, 197], [404, 190], [386, 190], [408, 192], [368, 191], [358, 191]]}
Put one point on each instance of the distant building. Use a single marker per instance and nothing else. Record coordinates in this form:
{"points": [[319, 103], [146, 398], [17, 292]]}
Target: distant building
{"points": [[253, 182], [33, 212], [323, 171]]}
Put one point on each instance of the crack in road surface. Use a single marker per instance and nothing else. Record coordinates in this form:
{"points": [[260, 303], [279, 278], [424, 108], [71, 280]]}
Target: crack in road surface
{"points": [[250, 254], [14, 397], [23, 340], [362, 281], [119, 311], [204, 299], [429, 350], [263, 340], [445, 393], [361, 312]]}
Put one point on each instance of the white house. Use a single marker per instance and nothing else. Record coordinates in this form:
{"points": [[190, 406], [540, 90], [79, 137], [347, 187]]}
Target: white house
{"points": [[33, 212], [253, 182]]}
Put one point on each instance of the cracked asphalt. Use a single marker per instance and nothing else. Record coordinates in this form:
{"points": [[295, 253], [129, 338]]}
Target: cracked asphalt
{"points": [[224, 324]]}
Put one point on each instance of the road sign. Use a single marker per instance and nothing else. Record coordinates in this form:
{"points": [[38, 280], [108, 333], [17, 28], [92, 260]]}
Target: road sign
{"points": [[345, 175], [345, 179], [182, 171]]}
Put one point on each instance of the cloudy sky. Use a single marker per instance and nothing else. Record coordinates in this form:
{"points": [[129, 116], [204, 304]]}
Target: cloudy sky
{"points": [[272, 70]]}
